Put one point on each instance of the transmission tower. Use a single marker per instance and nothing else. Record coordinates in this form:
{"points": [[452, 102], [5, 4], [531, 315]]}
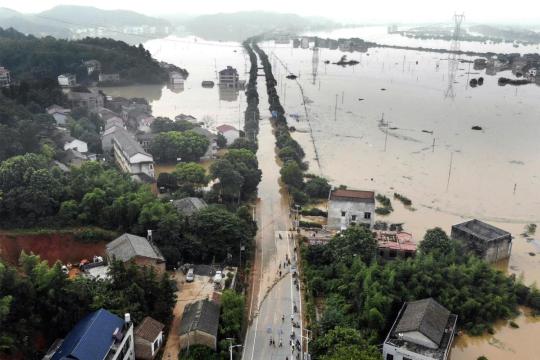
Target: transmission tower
{"points": [[315, 63], [453, 57]]}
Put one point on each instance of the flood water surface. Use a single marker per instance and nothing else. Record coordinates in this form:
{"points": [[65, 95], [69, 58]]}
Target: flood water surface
{"points": [[399, 121]]}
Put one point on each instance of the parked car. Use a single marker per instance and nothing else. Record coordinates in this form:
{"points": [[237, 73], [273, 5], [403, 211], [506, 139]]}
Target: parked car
{"points": [[190, 276], [218, 277]]}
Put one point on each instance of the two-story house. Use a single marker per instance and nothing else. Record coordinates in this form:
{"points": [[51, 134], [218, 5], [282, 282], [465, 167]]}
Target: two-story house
{"points": [[100, 335], [129, 154], [350, 207]]}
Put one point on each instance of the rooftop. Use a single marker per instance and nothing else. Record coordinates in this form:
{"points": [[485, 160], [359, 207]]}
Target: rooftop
{"points": [[429, 318], [202, 315], [394, 240], [127, 246], [128, 144], [353, 195], [91, 338], [225, 127], [189, 205], [481, 230], [149, 329], [228, 71]]}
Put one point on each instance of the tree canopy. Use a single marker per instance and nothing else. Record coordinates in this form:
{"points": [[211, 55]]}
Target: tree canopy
{"points": [[168, 147]]}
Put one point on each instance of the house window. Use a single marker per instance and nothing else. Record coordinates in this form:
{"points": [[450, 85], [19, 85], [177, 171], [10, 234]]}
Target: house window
{"points": [[353, 218], [156, 346], [393, 254], [343, 213], [389, 357], [367, 215], [406, 358]]}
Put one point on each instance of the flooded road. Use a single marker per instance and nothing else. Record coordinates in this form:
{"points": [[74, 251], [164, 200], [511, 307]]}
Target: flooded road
{"points": [[424, 148]]}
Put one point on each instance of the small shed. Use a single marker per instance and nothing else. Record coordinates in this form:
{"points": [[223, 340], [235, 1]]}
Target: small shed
{"points": [[485, 240], [199, 324]]}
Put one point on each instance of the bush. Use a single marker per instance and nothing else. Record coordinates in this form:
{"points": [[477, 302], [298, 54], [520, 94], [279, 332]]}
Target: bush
{"points": [[310, 224], [382, 211], [299, 196], [317, 187], [314, 212], [93, 235], [514, 325], [404, 200]]}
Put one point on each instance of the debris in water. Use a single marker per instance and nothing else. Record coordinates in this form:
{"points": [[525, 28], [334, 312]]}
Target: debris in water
{"points": [[360, 99], [383, 89], [427, 131], [291, 77], [476, 127], [532, 254], [473, 82], [480, 81], [327, 62]]}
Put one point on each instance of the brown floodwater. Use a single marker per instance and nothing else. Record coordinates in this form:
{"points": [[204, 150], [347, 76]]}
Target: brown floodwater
{"points": [[424, 148]]}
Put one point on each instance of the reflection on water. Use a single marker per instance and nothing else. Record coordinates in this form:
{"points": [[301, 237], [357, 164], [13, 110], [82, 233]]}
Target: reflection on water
{"points": [[228, 93], [176, 88]]}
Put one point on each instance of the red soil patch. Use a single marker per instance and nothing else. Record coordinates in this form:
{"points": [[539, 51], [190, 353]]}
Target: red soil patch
{"points": [[51, 247]]}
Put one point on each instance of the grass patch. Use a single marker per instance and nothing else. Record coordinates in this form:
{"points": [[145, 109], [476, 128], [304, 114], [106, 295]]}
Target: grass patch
{"points": [[404, 200]]}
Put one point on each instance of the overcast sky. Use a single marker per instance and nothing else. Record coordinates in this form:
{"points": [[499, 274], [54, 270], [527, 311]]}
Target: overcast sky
{"points": [[352, 10]]}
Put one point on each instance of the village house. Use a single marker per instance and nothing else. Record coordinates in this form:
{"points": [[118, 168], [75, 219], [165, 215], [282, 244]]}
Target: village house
{"points": [[394, 244], [91, 100], [137, 250], [486, 241], [184, 117], [176, 78], [100, 335], [133, 112], [304, 43], [148, 338], [229, 132], [229, 77], [189, 205], [59, 114], [67, 80], [350, 207], [212, 138], [107, 137], [145, 139], [423, 330], [144, 121], [109, 77], [200, 323], [5, 77], [71, 143], [92, 66], [129, 154]]}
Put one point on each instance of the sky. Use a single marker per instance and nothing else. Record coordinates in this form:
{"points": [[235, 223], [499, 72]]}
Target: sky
{"points": [[343, 10]]}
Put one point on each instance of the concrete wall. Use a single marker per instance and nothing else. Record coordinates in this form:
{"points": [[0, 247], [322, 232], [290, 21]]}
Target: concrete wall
{"points": [[336, 221], [198, 337], [401, 353], [418, 338], [130, 353], [491, 251]]}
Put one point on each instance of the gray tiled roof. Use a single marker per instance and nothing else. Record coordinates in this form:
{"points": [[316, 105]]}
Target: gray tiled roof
{"points": [[189, 205], [426, 316], [481, 230], [202, 315], [205, 132], [128, 144], [128, 246]]}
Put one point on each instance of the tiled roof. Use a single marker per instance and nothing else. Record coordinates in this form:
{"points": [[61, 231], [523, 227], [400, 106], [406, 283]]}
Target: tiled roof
{"points": [[189, 205], [149, 329], [202, 315], [353, 195], [481, 230], [425, 316], [91, 338], [128, 144], [225, 127], [128, 246]]}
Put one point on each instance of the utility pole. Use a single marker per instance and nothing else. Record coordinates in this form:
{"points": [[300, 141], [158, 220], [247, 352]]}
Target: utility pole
{"points": [[450, 170], [335, 109], [231, 347]]}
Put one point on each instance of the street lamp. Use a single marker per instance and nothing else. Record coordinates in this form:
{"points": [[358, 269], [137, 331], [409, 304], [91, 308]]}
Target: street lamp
{"points": [[231, 347], [306, 355]]}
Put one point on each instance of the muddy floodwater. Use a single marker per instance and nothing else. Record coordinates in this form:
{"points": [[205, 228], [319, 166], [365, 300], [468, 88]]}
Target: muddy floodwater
{"points": [[398, 121]]}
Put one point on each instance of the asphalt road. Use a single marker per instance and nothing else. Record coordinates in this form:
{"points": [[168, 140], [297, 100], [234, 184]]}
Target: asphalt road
{"points": [[273, 303]]}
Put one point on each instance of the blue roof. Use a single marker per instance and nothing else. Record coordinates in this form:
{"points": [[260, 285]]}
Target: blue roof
{"points": [[91, 338]]}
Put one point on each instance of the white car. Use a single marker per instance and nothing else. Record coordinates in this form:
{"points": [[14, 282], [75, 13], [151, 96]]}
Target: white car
{"points": [[190, 276], [218, 277]]}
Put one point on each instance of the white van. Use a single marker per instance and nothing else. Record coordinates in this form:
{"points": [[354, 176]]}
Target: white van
{"points": [[190, 276]]}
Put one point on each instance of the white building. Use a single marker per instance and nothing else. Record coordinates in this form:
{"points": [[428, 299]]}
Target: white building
{"points": [[100, 335], [92, 66], [71, 143], [176, 78], [423, 330], [148, 338], [304, 43], [229, 132], [130, 156], [350, 207], [67, 80], [5, 77]]}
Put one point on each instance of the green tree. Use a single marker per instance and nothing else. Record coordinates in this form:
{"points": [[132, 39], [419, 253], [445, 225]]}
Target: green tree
{"points": [[230, 180], [355, 241], [436, 240], [170, 146], [317, 187], [292, 175], [190, 176], [221, 141], [244, 143]]}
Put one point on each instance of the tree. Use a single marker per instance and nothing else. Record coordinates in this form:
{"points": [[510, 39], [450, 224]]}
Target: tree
{"points": [[292, 175], [190, 176], [247, 165], [221, 141], [168, 147], [219, 232], [436, 240], [230, 180], [355, 241], [232, 312], [333, 345], [244, 143], [317, 187]]}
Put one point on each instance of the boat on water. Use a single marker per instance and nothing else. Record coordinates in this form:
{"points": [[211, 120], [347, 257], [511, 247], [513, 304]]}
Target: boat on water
{"points": [[208, 84]]}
